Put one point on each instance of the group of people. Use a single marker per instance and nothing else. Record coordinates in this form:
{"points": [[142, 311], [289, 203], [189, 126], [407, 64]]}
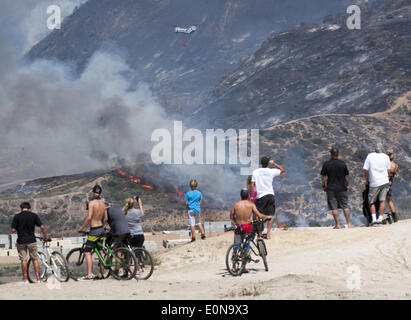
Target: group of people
{"points": [[257, 200], [124, 226], [379, 172]]}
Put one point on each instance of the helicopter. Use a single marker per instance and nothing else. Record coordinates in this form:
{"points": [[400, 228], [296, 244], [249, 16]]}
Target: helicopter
{"points": [[187, 30]]}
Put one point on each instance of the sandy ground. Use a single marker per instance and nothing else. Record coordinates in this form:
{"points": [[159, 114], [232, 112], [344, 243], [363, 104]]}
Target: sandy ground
{"points": [[308, 264]]}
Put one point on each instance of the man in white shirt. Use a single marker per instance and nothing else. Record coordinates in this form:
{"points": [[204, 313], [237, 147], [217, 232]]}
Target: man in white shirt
{"points": [[263, 181], [376, 172]]}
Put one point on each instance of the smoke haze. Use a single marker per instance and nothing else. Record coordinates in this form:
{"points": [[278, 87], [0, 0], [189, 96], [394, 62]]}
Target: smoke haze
{"points": [[61, 122]]}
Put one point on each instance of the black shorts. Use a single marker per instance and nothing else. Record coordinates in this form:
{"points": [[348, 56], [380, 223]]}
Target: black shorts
{"points": [[114, 238], [96, 235], [137, 240], [266, 205]]}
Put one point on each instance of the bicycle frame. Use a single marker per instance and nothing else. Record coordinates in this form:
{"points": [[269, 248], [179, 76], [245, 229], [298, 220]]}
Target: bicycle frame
{"points": [[110, 253], [246, 242]]}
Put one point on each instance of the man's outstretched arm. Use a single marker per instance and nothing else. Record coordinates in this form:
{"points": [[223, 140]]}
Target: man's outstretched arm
{"points": [[277, 166]]}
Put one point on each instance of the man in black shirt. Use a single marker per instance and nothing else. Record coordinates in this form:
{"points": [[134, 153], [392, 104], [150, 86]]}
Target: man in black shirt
{"points": [[336, 174], [24, 223]]}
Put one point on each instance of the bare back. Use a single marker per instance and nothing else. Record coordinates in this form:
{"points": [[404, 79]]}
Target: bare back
{"points": [[98, 212], [242, 210], [393, 167]]}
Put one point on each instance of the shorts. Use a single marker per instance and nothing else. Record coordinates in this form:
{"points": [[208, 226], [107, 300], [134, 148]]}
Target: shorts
{"points": [[379, 193], [30, 247], [389, 193], [112, 238], [266, 205], [96, 235], [137, 240], [238, 237], [337, 200], [193, 218]]}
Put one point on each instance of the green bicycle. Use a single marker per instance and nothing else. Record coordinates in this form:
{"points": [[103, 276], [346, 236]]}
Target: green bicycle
{"points": [[120, 263]]}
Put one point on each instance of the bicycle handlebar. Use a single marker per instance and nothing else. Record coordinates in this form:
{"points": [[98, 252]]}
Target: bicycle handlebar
{"points": [[43, 239], [234, 228]]}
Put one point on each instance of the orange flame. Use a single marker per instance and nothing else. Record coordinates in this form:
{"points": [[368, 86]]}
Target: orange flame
{"points": [[137, 180]]}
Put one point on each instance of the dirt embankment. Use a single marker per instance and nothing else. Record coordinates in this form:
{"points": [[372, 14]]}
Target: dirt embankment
{"points": [[317, 263]]}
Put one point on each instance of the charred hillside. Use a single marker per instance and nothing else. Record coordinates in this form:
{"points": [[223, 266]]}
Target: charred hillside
{"points": [[301, 146], [181, 69], [319, 68], [61, 201]]}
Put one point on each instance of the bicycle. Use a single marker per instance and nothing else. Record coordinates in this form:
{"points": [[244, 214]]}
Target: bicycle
{"points": [[119, 262], [49, 262], [145, 262], [238, 255]]}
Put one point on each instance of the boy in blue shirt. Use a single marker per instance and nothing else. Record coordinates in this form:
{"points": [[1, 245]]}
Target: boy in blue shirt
{"points": [[193, 200]]}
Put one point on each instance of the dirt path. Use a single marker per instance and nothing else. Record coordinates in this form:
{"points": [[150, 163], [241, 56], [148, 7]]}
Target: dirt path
{"points": [[403, 100], [309, 264]]}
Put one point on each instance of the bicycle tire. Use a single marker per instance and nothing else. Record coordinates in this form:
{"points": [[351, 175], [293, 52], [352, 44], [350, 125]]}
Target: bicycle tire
{"points": [[77, 267], [263, 252], [236, 258], [31, 272], [127, 268], [60, 271], [144, 262]]}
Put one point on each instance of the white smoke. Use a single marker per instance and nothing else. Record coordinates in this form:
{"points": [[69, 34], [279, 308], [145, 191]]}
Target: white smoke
{"points": [[61, 123]]}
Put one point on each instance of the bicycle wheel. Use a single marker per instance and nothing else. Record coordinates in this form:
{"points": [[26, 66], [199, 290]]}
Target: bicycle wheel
{"points": [[59, 266], [31, 272], [234, 260], [123, 264], [145, 263], [263, 252], [77, 265]]}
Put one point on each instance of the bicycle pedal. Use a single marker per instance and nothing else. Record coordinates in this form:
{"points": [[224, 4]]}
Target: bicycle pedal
{"points": [[256, 261]]}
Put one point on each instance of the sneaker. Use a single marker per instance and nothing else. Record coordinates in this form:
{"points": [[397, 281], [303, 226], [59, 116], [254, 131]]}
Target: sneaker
{"points": [[203, 237], [23, 282], [193, 239], [85, 278]]}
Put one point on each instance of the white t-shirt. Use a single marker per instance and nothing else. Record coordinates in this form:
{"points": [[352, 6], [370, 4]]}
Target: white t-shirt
{"points": [[377, 165], [263, 179]]}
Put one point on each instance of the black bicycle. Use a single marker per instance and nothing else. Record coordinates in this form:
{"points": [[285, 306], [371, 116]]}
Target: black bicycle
{"points": [[145, 262], [238, 255]]}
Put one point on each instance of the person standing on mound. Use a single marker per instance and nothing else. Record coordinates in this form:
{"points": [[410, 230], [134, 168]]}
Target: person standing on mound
{"points": [[377, 169], [193, 200], [263, 181], [335, 182]]}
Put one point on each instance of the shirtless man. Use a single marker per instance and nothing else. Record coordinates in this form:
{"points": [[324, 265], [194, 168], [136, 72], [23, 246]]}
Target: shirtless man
{"points": [[97, 217], [241, 214]]}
